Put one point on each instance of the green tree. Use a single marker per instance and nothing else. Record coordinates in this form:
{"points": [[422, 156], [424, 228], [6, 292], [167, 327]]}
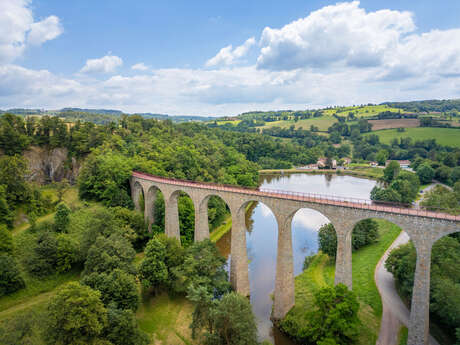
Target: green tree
{"points": [[163, 258], [6, 213], [203, 266], [110, 253], [13, 138], [104, 177], [68, 253], [327, 239], [12, 175], [10, 278], [425, 173], [62, 217], [203, 302], [122, 328], [233, 322], [6, 241], [334, 318], [382, 157], [43, 259], [118, 288], [75, 315], [365, 232], [391, 171]]}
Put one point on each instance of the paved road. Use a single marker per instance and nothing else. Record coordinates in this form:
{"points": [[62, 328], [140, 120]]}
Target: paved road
{"points": [[395, 313]]}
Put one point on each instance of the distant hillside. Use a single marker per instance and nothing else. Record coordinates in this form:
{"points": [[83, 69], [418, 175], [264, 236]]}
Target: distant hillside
{"points": [[176, 118], [100, 116], [428, 106], [94, 111]]}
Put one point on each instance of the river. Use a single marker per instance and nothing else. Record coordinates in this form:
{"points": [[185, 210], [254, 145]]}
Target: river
{"points": [[262, 237]]}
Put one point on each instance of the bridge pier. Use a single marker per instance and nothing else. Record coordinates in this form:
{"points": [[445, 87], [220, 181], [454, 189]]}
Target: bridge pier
{"points": [[201, 221], [343, 265], [419, 323], [239, 267], [149, 212], [284, 282], [136, 191], [172, 218]]}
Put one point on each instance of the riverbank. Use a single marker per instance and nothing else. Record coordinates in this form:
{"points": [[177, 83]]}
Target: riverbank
{"points": [[320, 273], [358, 170]]}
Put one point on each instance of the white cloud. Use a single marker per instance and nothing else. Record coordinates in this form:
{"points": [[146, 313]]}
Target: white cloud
{"points": [[18, 29], [228, 55], [342, 34], [139, 67], [340, 54], [106, 64], [46, 30]]}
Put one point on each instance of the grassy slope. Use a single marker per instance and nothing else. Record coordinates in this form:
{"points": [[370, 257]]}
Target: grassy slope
{"points": [[323, 123], [166, 319], [321, 273], [443, 136], [367, 110], [38, 290]]}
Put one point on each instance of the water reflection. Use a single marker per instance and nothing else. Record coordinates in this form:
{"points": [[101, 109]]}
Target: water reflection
{"points": [[262, 237]]}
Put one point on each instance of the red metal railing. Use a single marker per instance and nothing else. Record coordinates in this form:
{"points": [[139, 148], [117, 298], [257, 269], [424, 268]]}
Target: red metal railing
{"points": [[308, 197]]}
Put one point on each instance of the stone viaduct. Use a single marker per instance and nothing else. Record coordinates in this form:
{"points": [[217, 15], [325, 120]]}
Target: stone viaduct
{"points": [[423, 227]]}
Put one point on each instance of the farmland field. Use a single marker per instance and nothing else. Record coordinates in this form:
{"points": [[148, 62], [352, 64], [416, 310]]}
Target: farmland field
{"points": [[323, 123], [443, 136], [394, 123], [361, 111]]}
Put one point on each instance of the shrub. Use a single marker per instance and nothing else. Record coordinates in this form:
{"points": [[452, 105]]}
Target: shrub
{"points": [[10, 278], [6, 241]]}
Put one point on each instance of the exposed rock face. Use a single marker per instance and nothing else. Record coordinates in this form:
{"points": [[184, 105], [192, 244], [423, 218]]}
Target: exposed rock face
{"points": [[47, 166]]}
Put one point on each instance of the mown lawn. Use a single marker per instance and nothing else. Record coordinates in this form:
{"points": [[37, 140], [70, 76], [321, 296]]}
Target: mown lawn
{"points": [[166, 319], [443, 136], [320, 273]]}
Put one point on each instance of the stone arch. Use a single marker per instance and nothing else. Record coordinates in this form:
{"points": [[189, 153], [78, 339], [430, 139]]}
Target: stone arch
{"points": [[185, 222], [151, 214], [258, 242], [202, 216], [311, 220]]}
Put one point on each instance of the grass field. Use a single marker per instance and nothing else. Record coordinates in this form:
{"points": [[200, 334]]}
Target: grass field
{"points": [[443, 136], [323, 123], [320, 273], [166, 319], [361, 111]]}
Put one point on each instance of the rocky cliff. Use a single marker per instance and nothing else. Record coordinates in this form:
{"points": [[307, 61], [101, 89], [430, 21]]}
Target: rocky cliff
{"points": [[53, 165]]}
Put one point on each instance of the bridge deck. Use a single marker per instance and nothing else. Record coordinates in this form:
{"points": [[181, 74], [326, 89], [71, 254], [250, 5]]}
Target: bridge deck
{"points": [[308, 197]]}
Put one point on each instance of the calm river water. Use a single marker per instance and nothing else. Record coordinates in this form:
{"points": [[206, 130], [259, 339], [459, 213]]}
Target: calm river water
{"points": [[262, 237]]}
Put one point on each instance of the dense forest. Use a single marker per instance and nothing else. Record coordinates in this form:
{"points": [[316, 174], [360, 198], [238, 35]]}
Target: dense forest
{"points": [[435, 105]]}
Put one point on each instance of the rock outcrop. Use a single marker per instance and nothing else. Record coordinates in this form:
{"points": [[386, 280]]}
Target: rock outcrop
{"points": [[53, 165]]}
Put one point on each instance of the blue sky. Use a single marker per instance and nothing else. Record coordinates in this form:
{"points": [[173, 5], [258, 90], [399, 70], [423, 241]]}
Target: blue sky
{"points": [[283, 54]]}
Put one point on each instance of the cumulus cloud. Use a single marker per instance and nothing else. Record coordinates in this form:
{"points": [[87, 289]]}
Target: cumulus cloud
{"points": [[339, 54], [18, 29], [228, 55], [45, 30], [139, 67], [340, 34], [106, 64]]}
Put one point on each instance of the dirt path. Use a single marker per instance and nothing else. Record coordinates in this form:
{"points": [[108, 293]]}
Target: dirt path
{"points": [[42, 298], [395, 312]]}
